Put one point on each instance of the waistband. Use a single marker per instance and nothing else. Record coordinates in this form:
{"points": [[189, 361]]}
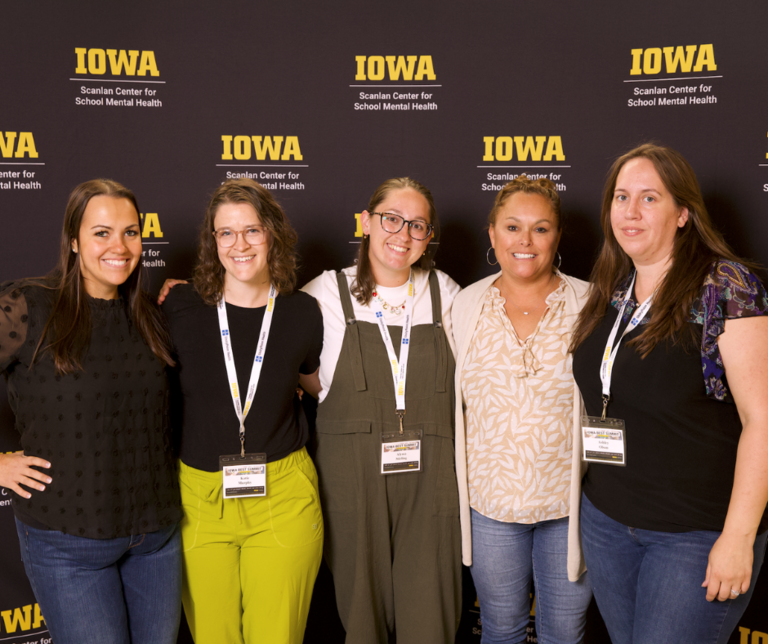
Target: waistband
{"points": [[209, 484]]}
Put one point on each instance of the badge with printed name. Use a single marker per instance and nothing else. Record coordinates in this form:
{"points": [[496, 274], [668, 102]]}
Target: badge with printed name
{"points": [[603, 441], [401, 452], [244, 476]]}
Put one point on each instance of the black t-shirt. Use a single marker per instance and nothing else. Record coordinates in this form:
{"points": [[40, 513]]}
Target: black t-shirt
{"points": [[681, 444], [202, 406]]}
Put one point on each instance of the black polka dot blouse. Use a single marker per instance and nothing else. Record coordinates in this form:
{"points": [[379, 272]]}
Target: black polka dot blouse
{"points": [[104, 429]]}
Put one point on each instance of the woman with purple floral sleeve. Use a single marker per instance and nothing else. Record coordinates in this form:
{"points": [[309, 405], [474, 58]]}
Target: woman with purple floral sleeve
{"points": [[671, 357]]}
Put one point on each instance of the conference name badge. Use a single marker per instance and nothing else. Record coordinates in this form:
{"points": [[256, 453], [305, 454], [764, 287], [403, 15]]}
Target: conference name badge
{"points": [[244, 475], [401, 452], [603, 440]]}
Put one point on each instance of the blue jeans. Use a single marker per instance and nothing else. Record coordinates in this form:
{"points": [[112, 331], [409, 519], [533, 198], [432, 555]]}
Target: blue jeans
{"points": [[505, 558], [648, 584], [91, 591]]}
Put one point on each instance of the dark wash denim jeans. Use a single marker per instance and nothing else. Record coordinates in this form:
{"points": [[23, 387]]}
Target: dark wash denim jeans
{"points": [[648, 583], [92, 591]]}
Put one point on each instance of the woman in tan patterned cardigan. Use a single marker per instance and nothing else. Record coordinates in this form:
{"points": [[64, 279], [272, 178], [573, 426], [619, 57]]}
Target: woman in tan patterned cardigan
{"points": [[518, 471]]}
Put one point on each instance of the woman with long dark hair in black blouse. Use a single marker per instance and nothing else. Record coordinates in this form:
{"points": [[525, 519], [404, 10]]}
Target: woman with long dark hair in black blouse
{"points": [[84, 352]]}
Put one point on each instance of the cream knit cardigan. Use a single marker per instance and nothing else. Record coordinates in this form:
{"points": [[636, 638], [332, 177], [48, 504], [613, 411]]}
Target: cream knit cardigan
{"points": [[465, 313]]}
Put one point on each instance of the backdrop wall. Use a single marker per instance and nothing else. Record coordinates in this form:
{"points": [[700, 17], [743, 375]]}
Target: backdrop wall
{"points": [[321, 102]]}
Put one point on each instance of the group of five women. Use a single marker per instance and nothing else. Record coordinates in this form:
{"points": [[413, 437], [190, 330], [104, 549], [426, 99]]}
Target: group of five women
{"points": [[543, 428]]}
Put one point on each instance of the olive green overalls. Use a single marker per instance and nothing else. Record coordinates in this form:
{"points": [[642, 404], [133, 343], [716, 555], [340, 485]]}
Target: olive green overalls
{"points": [[392, 542]]}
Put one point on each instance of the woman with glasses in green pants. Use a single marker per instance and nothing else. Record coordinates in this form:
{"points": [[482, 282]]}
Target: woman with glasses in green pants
{"points": [[252, 530]]}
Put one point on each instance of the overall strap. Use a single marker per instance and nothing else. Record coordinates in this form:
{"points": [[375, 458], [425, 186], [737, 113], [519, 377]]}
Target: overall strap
{"points": [[353, 345], [441, 374]]}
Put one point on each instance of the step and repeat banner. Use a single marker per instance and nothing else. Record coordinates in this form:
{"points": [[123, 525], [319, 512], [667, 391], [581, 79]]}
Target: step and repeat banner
{"points": [[322, 102]]}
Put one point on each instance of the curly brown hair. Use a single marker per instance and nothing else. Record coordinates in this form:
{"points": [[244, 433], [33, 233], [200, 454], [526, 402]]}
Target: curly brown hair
{"points": [[365, 284], [543, 187], [282, 261]]}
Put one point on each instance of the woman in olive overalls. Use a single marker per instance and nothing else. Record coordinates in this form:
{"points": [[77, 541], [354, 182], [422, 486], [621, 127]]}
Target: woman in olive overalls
{"points": [[392, 540]]}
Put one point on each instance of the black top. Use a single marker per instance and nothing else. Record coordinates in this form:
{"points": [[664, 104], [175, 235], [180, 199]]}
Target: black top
{"points": [[276, 424], [103, 429], [681, 443]]}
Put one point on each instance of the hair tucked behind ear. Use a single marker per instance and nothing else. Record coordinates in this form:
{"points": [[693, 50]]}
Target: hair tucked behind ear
{"points": [[365, 284], [67, 333]]}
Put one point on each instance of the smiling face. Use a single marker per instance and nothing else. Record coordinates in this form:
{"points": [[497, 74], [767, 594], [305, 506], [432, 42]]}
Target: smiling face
{"points": [[243, 263], [644, 215], [525, 236], [392, 254], [108, 245]]}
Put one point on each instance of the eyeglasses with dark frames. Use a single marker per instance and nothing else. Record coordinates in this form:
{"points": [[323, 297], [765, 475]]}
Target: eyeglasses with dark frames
{"points": [[418, 229]]}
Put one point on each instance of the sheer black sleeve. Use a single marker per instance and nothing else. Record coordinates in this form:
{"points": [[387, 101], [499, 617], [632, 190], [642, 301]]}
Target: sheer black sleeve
{"points": [[13, 323]]}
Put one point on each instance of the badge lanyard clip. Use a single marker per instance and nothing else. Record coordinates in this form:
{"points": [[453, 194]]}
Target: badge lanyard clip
{"points": [[399, 367], [258, 360], [604, 439], [609, 356], [401, 450]]}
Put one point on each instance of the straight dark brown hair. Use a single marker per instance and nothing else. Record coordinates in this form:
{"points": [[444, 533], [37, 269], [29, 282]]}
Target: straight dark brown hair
{"points": [[67, 333], [697, 245], [365, 283], [281, 258]]}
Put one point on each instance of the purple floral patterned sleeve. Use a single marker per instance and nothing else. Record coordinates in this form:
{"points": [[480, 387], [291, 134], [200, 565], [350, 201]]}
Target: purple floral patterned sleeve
{"points": [[730, 291]]}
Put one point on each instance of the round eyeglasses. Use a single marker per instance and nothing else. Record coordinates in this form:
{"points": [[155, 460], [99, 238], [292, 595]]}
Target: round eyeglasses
{"points": [[253, 236], [417, 228]]}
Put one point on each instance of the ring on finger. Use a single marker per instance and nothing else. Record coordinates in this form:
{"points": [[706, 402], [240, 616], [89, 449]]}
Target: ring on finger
{"points": [[735, 593]]}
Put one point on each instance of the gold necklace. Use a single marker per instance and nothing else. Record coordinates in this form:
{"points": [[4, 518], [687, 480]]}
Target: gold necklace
{"points": [[397, 310]]}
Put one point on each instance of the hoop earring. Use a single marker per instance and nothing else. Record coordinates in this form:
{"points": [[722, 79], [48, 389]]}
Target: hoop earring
{"points": [[488, 256], [559, 260]]}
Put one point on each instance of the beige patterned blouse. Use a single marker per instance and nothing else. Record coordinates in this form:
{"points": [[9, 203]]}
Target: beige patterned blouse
{"points": [[518, 398]]}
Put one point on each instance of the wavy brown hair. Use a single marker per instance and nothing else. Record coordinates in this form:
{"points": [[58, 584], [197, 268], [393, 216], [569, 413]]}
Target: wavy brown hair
{"points": [[67, 333], [542, 187], [697, 245], [281, 258], [365, 283]]}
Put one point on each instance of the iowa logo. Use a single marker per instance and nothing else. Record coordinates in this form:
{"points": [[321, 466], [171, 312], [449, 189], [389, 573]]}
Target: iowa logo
{"points": [[524, 148], [17, 145], [673, 60], [394, 68], [121, 62]]}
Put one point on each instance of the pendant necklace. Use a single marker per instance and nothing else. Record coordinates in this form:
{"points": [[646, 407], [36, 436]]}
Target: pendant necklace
{"points": [[536, 307]]}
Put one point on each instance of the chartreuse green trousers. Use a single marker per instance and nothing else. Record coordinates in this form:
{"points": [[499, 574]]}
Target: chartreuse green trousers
{"points": [[249, 565]]}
